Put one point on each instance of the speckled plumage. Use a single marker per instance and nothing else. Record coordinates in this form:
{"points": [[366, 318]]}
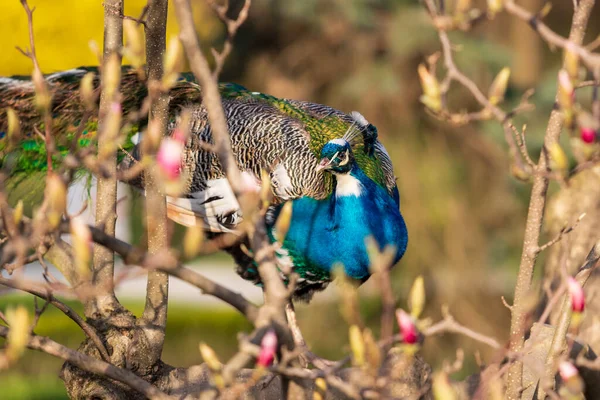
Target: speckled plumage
{"points": [[283, 137]]}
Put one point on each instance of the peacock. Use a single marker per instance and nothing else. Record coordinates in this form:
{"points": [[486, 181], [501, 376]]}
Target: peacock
{"points": [[330, 165]]}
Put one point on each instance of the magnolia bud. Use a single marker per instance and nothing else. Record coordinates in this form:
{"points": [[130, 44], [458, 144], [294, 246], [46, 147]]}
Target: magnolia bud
{"points": [[282, 225], [56, 195], [192, 242], [431, 89], [82, 245], [416, 297], [111, 130], [18, 212], [320, 389], [566, 96], [499, 85], [19, 333], [43, 99], [442, 388], [576, 294], [268, 349], [588, 135], [570, 376], [558, 158], [210, 357], [14, 126], [408, 330], [494, 7], [372, 351], [86, 90], [172, 63], [169, 157], [357, 344], [134, 49], [111, 75], [571, 61]]}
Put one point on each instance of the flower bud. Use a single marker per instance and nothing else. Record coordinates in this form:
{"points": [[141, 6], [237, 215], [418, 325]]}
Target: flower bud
{"points": [[210, 357], [169, 157], [134, 49], [558, 158], [571, 61], [442, 388], [81, 237], [494, 7], [416, 297], [14, 126], [43, 98], [499, 85], [570, 377], [588, 135], [320, 389], [172, 63], [357, 344], [111, 76], [408, 330], [18, 212], [192, 241], [576, 294], [268, 349], [111, 130], [566, 96], [19, 333], [431, 89], [282, 225], [86, 90], [56, 195]]}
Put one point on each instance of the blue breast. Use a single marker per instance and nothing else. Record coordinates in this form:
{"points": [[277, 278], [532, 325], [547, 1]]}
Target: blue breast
{"points": [[333, 230]]}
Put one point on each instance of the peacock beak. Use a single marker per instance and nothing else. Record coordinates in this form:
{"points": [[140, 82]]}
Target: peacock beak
{"points": [[325, 162]]}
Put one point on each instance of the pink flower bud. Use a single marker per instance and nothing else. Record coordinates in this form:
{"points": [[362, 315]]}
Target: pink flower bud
{"points": [[588, 135], [408, 330], [268, 348], [567, 370], [577, 296], [169, 157]]}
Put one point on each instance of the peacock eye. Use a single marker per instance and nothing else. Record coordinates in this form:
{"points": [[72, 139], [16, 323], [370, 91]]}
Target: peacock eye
{"points": [[229, 220]]}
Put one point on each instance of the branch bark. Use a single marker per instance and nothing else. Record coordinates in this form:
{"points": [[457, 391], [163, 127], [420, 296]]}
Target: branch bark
{"points": [[106, 196], [537, 204], [154, 317]]}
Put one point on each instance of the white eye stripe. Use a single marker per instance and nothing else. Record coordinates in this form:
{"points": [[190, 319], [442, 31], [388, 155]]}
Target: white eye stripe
{"points": [[346, 159]]}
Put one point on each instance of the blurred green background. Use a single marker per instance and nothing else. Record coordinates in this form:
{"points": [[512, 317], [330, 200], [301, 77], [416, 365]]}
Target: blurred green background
{"points": [[464, 211]]}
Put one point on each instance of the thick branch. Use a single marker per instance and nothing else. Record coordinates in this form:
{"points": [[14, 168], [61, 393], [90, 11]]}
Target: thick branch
{"points": [[92, 365], [154, 318], [535, 216], [106, 195]]}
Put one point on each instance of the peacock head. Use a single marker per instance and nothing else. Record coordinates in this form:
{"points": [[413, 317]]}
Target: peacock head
{"points": [[336, 157]]}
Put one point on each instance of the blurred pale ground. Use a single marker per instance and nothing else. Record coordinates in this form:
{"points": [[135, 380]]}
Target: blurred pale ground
{"points": [[464, 212]]}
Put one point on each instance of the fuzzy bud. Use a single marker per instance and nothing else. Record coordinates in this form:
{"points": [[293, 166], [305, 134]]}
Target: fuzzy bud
{"points": [[282, 225], [14, 126], [494, 7], [172, 63], [558, 158], [268, 349], [442, 388], [86, 90], [571, 61], [357, 344], [576, 294], [499, 85], [566, 96], [43, 98], [570, 376], [416, 297], [111, 75], [110, 130], [82, 245], [320, 389], [18, 212], [210, 357], [18, 335], [169, 157], [192, 241], [134, 49], [432, 97], [588, 135], [408, 330], [56, 195]]}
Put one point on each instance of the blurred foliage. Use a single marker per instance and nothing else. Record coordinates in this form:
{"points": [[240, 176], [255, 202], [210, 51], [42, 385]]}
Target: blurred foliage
{"points": [[464, 211]]}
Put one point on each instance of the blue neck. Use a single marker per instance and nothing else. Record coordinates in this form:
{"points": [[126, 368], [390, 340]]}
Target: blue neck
{"points": [[333, 230]]}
